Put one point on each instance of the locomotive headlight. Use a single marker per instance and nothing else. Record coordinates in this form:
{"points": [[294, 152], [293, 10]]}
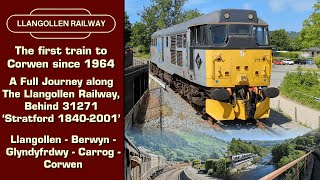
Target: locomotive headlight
{"points": [[226, 15], [244, 78], [250, 16]]}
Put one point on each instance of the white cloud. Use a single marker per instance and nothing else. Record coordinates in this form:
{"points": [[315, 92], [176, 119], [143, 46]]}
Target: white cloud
{"points": [[296, 5], [196, 2], [246, 6]]}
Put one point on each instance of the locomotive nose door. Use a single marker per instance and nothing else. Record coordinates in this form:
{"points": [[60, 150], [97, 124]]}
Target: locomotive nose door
{"points": [[190, 55]]}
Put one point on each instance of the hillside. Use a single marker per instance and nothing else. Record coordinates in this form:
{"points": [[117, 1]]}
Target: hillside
{"points": [[265, 143], [179, 146], [239, 147], [295, 148]]}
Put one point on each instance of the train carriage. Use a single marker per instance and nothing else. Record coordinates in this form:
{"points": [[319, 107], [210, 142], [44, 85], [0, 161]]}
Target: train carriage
{"points": [[220, 62], [149, 165]]}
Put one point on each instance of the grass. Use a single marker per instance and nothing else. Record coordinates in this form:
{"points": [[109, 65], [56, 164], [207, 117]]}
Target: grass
{"points": [[311, 69], [302, 87], [142, 56]]}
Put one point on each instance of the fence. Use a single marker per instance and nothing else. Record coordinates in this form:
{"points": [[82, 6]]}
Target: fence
{"points": [[304, 160], [297, 112], [136, 88]]}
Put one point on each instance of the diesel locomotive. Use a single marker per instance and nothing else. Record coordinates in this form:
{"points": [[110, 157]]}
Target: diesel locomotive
{"points": [[221, 62]]}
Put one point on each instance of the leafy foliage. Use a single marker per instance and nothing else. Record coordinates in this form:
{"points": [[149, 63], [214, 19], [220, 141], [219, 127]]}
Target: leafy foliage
{"points": [[285, 41], [280, 39], [159, 15], [317, 61], [239, 147], [302, 87], [179, 146], [310, 33], [290, 55], [209, 163], [127, 28], [293, 149]]}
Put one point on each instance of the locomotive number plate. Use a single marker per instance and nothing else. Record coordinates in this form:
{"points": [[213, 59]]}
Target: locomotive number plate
{"points": [[242, 53]]}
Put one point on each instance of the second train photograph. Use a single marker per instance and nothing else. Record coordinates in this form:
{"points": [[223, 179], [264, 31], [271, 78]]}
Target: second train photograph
{"points": [[222, 89]]}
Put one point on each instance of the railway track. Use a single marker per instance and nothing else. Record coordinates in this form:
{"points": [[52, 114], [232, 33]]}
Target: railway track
{"points": [[266, 128], [219, 126], [174, 174]]}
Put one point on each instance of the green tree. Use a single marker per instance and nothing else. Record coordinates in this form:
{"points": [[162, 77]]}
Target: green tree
{"points": [[295, 44], [280, 39], [127, 28], [139, 35], [310, 32], [159, 15]]}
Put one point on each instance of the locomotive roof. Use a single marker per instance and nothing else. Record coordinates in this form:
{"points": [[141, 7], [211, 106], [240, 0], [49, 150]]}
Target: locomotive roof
{"points": [[236, 15]]}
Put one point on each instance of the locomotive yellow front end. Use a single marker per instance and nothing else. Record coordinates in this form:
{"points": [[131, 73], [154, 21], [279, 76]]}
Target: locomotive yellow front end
{"points": [[238, 67], [243, 77]]}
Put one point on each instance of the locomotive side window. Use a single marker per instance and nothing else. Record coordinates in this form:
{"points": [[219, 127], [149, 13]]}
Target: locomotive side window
{"points": [[173, 42], [184, 40], [199, 35], [196, 35], [218, 34], [179, 41], [262, 35], [167, 41], [179, 58]]}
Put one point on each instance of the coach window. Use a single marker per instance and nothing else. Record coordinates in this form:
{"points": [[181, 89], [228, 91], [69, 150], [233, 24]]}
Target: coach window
{"points": [[218, 34]]}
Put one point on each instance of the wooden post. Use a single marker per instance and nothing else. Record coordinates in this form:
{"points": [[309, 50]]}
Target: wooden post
{"points": [[305, 166], [295, 114], [296, 171]]}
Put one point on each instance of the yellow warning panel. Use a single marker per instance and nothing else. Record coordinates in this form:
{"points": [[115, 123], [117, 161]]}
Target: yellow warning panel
{"points": [[263, 109], [240, 110], [219, 110]]}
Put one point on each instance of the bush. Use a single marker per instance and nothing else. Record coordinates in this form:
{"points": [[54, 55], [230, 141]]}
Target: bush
{"points": [[317, 61], [209, 163], [142, 49], [302, 87], [222, 166], [290, 55], [278, 58], [195, 162]]}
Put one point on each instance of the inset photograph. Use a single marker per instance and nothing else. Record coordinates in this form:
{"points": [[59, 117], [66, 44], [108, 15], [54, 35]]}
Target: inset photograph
{"points": [[222, 90]]}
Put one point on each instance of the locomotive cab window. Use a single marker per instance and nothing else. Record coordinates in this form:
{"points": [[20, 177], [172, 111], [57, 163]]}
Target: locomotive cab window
{"points": [[261, 34], [218, 34], [239, 29]]}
